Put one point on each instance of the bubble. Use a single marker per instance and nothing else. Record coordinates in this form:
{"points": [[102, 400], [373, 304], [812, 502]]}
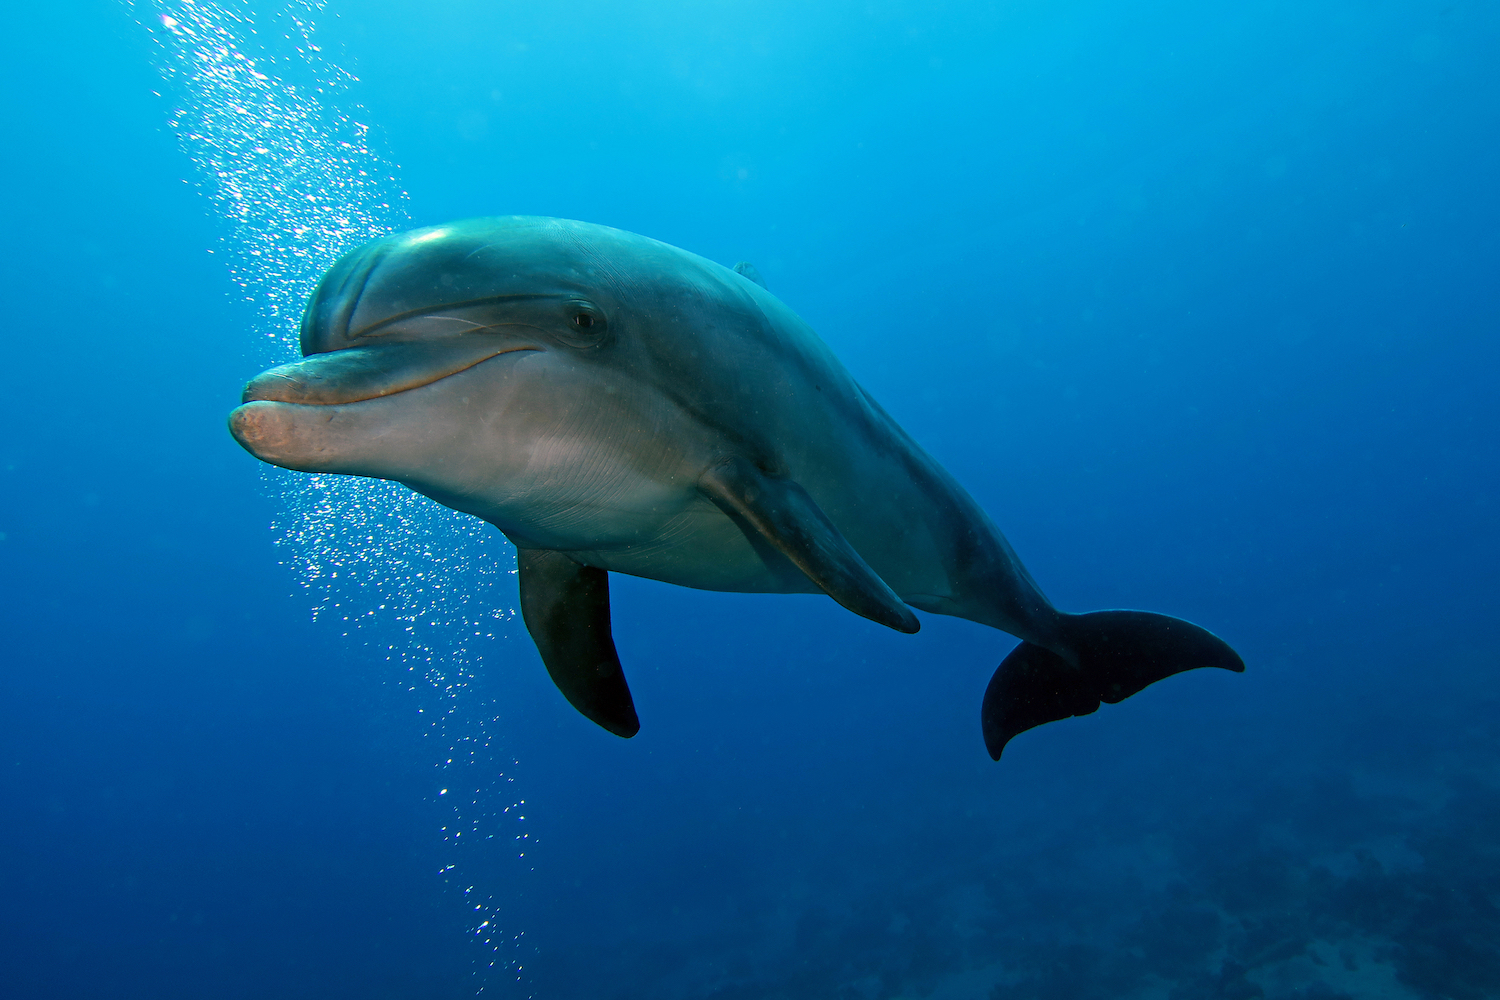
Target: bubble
{"points": [[289, 163]]}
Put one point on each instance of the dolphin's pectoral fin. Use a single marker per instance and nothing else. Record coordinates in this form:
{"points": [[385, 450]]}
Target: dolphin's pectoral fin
{"points": [[784, 515], [566, 608], [750, 271], [1118, 653]]}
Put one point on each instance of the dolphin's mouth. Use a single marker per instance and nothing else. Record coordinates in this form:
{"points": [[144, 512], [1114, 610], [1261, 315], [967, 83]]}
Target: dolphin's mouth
{"points": [[356, 374]]}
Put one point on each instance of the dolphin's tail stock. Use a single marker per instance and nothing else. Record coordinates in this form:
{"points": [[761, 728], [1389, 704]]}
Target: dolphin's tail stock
{"points": [[1118, 653]]}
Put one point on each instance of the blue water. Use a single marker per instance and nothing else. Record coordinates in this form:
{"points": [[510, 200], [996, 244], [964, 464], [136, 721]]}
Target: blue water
{"points": [[1199, 301]]}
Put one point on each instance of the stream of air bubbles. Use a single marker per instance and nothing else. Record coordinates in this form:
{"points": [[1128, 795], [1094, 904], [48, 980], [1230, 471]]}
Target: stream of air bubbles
{"points": [[284, 158]]}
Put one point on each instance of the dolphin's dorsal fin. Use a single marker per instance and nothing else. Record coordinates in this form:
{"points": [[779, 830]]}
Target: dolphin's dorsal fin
{"points": [[566, 608], [781, 512], [748, 270]]}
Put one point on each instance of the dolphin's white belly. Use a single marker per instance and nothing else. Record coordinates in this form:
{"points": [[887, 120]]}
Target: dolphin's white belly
{"points": [[662, 527], [701, 548]]}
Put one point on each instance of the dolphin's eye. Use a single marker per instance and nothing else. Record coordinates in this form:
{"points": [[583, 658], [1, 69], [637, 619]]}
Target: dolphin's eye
{"points": [[584, 324]]}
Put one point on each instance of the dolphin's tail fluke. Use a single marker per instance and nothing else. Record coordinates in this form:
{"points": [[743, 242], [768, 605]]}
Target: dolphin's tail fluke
{"points": [[1118, 653]]}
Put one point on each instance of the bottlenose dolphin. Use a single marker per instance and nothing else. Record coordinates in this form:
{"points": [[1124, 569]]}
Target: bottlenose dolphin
{"points": [[615, 404]]}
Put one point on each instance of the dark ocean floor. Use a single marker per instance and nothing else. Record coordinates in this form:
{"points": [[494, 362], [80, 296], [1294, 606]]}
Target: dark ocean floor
{"points": [[1372, 872]]}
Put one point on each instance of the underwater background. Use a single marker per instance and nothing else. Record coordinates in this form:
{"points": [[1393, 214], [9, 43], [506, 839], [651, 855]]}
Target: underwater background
{"points": [[1199, 302]]}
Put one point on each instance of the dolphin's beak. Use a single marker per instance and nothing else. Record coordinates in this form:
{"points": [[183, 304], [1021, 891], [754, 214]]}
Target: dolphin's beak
{"points": [[292, 414]]}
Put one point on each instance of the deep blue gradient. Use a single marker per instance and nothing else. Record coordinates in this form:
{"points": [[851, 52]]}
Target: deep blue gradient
{"points": [[1199, 301]]}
